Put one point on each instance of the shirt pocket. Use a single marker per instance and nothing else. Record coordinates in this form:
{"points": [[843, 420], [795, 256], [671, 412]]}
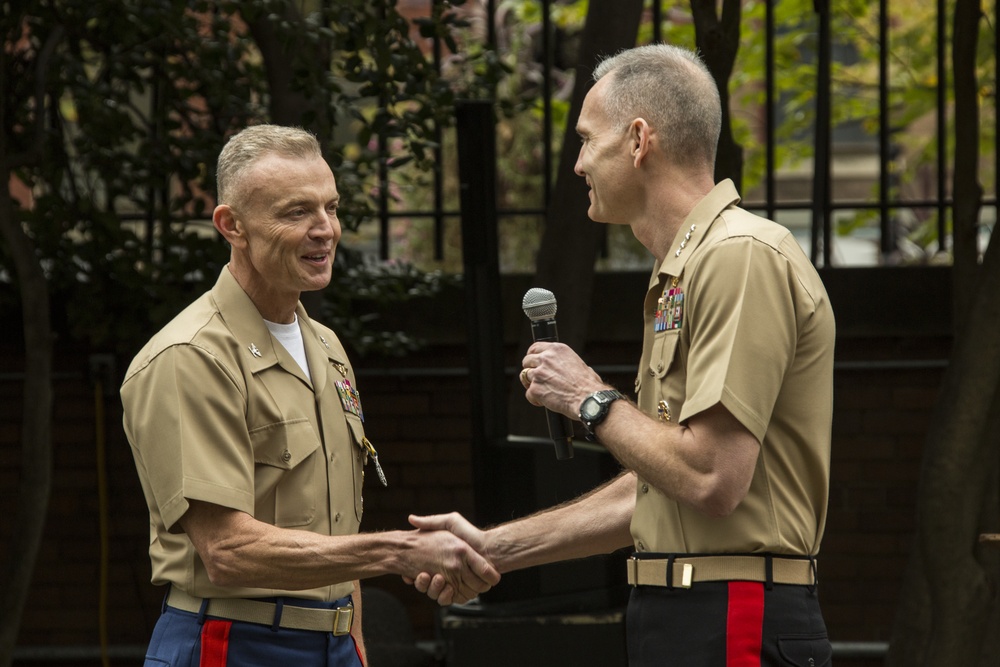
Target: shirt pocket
{"points": [[652, 380], [805, 650], [287, 472], [662, 354]]}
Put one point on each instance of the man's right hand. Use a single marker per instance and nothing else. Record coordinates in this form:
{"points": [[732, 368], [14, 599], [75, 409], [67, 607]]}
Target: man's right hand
{"points": [[436, 585], [444, 564]]}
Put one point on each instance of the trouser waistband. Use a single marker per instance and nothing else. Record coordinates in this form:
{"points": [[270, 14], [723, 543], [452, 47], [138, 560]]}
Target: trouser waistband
{"points": [[683, 570], [338, 621]]}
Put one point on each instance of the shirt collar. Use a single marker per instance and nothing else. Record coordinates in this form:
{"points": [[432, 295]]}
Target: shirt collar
{"points": [[695, 227], [256, 343]]}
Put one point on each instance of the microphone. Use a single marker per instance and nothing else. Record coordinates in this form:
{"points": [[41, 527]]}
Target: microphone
{"points": [[540, 307]]}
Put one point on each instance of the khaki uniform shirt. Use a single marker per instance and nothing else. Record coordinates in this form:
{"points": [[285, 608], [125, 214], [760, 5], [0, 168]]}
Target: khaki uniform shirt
{"points": [[215, 409], [747, 324]]}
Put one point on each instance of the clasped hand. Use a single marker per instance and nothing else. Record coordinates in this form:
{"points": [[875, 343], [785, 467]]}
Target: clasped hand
{"points": [[464, 569]]}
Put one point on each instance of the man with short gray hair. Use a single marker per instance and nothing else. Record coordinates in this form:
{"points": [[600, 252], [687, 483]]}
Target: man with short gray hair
{"points": [[726, 452], [247, 430]]}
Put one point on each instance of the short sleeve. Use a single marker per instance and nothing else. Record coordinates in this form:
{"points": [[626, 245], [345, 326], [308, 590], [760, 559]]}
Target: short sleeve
{"points": [[186, 417], [743, 330]]}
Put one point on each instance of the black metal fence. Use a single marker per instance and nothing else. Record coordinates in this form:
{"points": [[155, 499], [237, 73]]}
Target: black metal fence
{"points": [[817, 209]]}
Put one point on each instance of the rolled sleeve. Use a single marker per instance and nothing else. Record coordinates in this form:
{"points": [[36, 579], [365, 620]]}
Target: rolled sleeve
{"points": [[743, 338], [188, 425]]}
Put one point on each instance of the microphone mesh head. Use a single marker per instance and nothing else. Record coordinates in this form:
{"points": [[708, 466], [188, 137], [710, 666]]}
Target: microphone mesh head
{"points": [[539, 304]]}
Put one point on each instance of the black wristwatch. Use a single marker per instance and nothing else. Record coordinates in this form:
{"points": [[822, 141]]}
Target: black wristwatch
{"points": [[595, 408]]}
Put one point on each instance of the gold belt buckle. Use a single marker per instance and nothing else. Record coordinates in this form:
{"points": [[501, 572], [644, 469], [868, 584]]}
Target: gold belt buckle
{"points": [[687, 575], [342, 621]]}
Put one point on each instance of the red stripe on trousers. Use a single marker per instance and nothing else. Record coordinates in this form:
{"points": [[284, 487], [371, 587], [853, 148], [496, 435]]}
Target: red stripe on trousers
{"points": [[744, 624], [214, 643], [357, 649]]}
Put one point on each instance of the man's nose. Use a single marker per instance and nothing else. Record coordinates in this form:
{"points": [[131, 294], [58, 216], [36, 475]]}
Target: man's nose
{"points": [[326, 226]]}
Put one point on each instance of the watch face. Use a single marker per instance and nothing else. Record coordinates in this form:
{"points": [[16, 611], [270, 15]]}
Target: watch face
{"points": [[590, 408]]}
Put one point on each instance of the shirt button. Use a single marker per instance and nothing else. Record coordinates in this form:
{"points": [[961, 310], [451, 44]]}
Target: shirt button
{"points": [[659, 366], [652, 372], [642, 547], [645, 488], [337, 517], [286, 456]]}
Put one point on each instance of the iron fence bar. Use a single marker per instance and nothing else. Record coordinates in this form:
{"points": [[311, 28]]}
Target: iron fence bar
{"points": [[657, 7], [438, 157], [155, 132], [383, 176], [794, 205], [383, 197], [547, 100], [821, 172], [491, 24], [887, 242], [942, 126], [848, 205], [770, 189]]}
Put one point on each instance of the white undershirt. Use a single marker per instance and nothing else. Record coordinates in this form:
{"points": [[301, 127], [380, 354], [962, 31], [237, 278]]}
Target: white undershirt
{"points": [[290, 336]]}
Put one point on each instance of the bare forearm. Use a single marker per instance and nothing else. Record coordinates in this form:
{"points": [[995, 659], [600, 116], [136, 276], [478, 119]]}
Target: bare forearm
{"points": [[240, 551], [269, 557], [595, 523]]}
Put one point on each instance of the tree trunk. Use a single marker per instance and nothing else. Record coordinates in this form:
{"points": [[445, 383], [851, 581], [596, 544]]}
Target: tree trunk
{"points": [[36, 429], [967, 191], [565, 262], [286, 105], [283, 61], [958, 468], [718, 41], [949, 570]]}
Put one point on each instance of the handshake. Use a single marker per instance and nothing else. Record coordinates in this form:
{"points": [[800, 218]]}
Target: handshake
{"points": [[450, 559]]}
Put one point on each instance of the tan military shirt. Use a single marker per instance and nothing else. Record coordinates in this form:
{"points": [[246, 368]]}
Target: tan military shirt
{"points": [[217, 410], [744, 320]]}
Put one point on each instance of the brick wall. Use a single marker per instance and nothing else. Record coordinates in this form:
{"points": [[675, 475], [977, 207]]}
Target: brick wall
{"points": [[881, 418], [417, 412]]}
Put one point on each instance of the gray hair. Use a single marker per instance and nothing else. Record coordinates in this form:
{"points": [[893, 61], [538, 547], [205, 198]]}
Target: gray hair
{"points": [[673, 90], [249, 145]]}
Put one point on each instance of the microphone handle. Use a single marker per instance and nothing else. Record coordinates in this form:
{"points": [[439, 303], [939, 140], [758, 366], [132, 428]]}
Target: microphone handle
{"points": [[560, 428], [561, 433]]}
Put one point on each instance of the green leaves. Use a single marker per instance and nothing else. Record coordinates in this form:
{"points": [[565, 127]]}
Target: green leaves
{"points": [[141, 96]]}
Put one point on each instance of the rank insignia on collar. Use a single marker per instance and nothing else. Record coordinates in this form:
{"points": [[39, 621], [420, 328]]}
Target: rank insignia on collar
{"points": [[325, 344], [350, 398], [669, 308], [253, 350]]}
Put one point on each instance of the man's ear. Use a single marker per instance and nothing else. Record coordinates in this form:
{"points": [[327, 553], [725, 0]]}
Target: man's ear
{"points": [[639, 140], [225, 221]]}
